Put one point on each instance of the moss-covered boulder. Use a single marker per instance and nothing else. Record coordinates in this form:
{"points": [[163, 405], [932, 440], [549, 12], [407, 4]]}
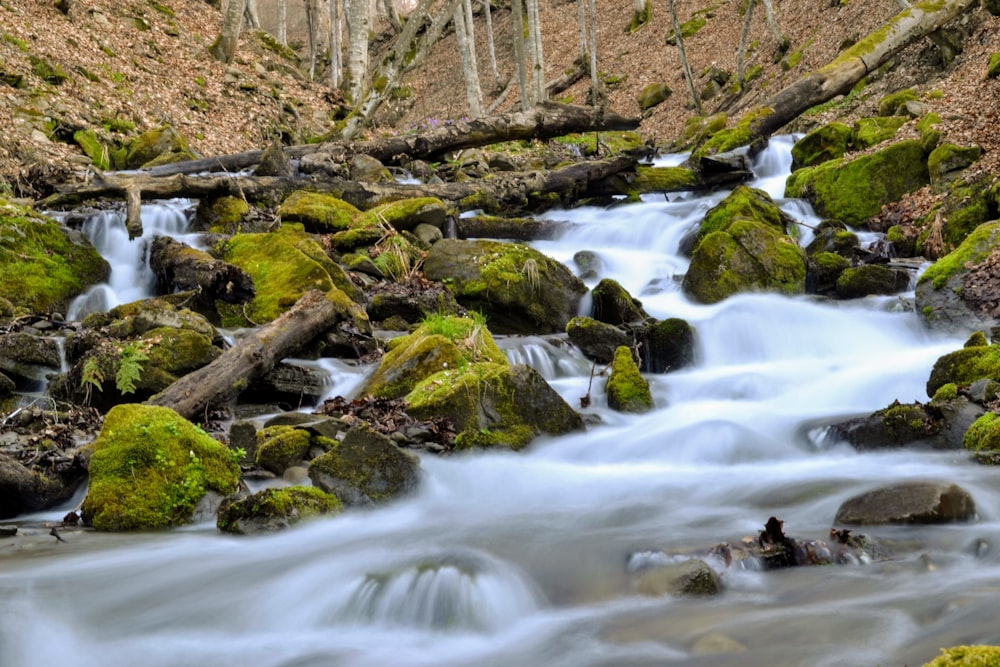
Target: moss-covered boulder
{"points": [[993, 69], [853, 191], [95, 148], [318, 212], [613, 304], [983, 435], [868, 279], [833, 236], [822, 271], [968, 656], [441, 342], [364, 468], [626, 389], [964, 367], [494, 405], [284, 265], [161, 145], [908, 503], [889, 105], [827, 142], [945, 291], [744, 203], [915, 425], [44, 264], [870, 131], [748, 256], [968, 203], [30, 488], [406, 214], [698, 129], [741, 134], [668, 345], [597, 340], [221, 215], [662, 179], [272, 510], [947, 161], [654, 94], [150, 468], [280, 447], [517, 288]]}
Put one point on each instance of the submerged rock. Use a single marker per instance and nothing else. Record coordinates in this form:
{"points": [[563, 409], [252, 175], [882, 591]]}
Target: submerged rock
{"points": [[909, 502], [272, 510], [365, 468], [689, 577]]}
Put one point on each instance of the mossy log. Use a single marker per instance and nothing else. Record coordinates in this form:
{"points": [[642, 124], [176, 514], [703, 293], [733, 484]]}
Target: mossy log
{"points": [[847, 69], [250, 358], [179, 267], [542, 122]]}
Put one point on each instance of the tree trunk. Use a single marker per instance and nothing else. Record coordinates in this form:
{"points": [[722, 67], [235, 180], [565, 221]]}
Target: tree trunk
{"points": [[596, 90], [581, 21], [488, 12], [358, 25], [283, 23], [179, 267], [688, 76], [742, 50], [224, 47], [392, 15], [312, 28], [251, 16], [537, 56], [336, 63], [473, 94], [772, 22], [250, 358], [521, 53]]}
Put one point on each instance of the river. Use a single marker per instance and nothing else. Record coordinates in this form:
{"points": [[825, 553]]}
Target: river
{"points": [[520, 559]]}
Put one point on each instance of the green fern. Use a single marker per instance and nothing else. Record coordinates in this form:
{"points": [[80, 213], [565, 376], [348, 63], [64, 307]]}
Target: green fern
{"points": [[129, 368], [90, 377]]}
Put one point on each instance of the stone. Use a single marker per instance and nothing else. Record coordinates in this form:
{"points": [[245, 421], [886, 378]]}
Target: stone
{"points": [[365, 468], [272, 510], [597, 340], [690, 577], [908, 503], [626, 389]]}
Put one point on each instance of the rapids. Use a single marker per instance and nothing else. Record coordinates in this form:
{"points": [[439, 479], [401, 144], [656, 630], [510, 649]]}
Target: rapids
{"points": [[519, 559]]}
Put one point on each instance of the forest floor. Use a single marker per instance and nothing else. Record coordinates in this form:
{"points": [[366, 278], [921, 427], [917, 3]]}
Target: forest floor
{"points": [[146, 63]]}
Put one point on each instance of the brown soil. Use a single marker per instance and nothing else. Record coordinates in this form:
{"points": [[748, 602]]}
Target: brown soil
{"points": [[146, 62]]}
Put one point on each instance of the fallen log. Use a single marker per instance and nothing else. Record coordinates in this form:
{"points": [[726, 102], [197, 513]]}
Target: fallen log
{"points": [[250, 358], [545, 121], [179, 267], [841, 74]]}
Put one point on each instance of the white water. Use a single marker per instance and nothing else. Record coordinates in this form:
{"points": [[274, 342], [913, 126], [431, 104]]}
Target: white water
{"points": [[519, 559]]}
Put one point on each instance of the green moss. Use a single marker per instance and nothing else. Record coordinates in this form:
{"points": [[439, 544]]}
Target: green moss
{"points": [[654, 94], [161, 145], [269, 42], [993, 69], [663, 179], [889, 104], [279, 507], [365, 466], [19, 44], [689, 28], [641, 17], [977, 339], [965, 366], [94, 148], [177, 351], [983, 435], [150, 467], [405, 214], [743, 202], [906, 422], [827, 142], [615, 142], [318, 212], [967, 656], [973, 250], [626, 389], [743, 134], [870, 131], [859, 281], [947, 159], [223, 215], [699, 129], [42, 266], [279, 447], [47, 71]]}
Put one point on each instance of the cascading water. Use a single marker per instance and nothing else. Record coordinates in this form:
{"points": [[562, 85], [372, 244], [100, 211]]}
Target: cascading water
{"points": [[520, 558]]}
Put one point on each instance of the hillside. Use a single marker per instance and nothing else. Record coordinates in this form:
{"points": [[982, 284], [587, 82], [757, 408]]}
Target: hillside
{"points": [[124, 67]]}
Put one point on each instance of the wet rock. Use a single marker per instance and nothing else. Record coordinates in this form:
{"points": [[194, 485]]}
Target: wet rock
{"points": [[868, 279], [968, 656], [667, 345], [626, 389], [908, 502], [597, 340], [412, 300], [272, 510], [690, 577], [318, 212], [938, 425], [365, 468], [827, 142], [613, 304]]}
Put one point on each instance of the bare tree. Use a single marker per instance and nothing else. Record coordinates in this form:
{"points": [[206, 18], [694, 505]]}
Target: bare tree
{"points": [[595, 79], [521, 54], [581, 20], [744, 38], [336, 44], [389, 7], [250, 15], [224, 47], [358, 24], [312, 28], [466, 49], [772, 22], [488, 12], [283, 22], [683, 56], [537, 57]]}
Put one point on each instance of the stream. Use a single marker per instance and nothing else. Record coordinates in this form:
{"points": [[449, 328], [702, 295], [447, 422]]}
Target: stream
{"points": [[508, 559]]}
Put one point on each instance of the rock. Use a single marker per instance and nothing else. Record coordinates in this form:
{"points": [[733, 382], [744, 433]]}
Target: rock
{"points": [[520, 290], [289, 383], [993, 69], [281, 447], [412, 301], [150, 468], [25, 490], [908, 502], [827, 142], [221, 215], [716, 643], [968, 656], [868, 279], [853, 191], [834, 237], [368, 169], [948, 160], [964, 367], [272, 510], [653, 94], [494, 405], [21, 353], [690, 577], [668, 344], [319, 213], [365, 468], [626, 389], [823, 269], [870, 131], [938, 425], [612, 304], [889, 104], [273, 162], [429, 234], [588, 264], [983, 436], [597, 340], [407, 214], [161, 145]]}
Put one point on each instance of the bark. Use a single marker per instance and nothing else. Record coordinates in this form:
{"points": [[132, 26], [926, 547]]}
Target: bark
{"points": [[312, 28], [840, 75], [744, 39], [473, 93], [537, 55], [510, 229], [490, 46], [283, 22], [772, 23], [358, 26], [688, 76], [179, 267], [224, 47], [596, 89], [336, 63], [392, 16], [250, 15], [521, 53], [574, 73], [249, 359], [581, 21]]}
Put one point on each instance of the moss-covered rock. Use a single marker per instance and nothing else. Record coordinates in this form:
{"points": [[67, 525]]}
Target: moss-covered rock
{"points": [[663, 179], [823, 270], [272, 510], [968, 656], [284, 265], [868, 279], [748, 256], [150, 468], [699, 129], [948, 160], [965, 366], [161, 145], [626, 389], [94, 148], [406, 214], [889, 105], [984, 434], [870, 131], [853, 191], [993, 68], [494, 405], [440, 343], [832, 236], [365, 468], [740, 135], [668, 344], [827, 142], [653, 94], [614, 305], [43, 265], [221, 215], [597, 340], [317, 212], [744, 203], [517, 288], [280, 447]]}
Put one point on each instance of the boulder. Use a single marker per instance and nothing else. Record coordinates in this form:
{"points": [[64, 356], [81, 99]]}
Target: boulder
{"points": [[161, 145], [968, 656], [853, 191], [494, 405], [870, 131], [271, 510], [964, 367], [823, 269], [948, 160], [827, 142], [868, 279], [744, 203], [407, 214], [281, 447], [690, 577], [150, 468], [612, 304], [653, 94], [317, 212], [24, 489], [626, 389], [518, 289], [668, 345], [833, 236], [889, 105], [412, 302], [221, 215], [597, 340], [940, 424], [365, 468], [29, 355], [908, 502]]}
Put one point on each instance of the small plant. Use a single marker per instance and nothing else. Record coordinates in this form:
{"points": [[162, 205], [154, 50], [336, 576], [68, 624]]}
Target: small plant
{"points": [[90, 377], [129, 368]]}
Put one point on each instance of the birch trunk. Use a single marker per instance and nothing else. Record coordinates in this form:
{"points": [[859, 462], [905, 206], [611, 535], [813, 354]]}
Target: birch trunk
{"points": [[473, 95], [312, 27], [772, 22], [688, 76], [744, 38], [224, 47], [581, 20], [488, 12], [336, 63], [538, 59], [391, 15], [358, 24], [283, 22], [520, 54], [251, 16]]}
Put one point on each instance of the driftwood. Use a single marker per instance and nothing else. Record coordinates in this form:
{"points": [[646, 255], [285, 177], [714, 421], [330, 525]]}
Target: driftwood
{"points": [[179, 267], [840, 75], [250, 358]]}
